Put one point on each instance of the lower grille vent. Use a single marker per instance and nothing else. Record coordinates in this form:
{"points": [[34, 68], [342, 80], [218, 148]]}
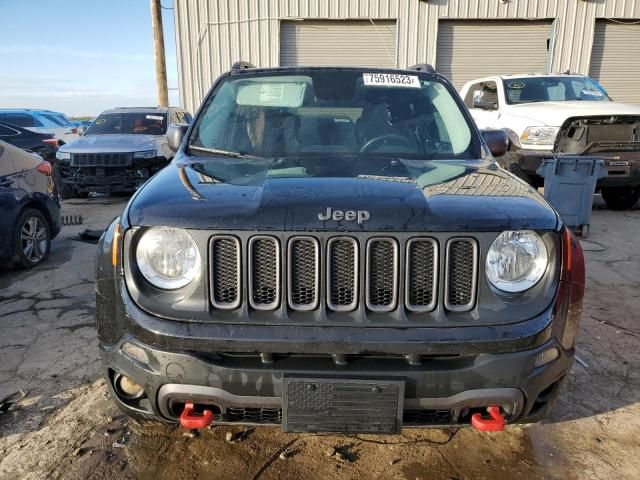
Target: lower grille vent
{"points": [[254, 415]]}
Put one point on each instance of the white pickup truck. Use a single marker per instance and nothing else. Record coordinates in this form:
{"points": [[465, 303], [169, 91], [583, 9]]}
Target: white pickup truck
{"points": [[561, 114]]}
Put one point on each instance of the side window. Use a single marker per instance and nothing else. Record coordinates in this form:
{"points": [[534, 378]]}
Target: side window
{"points": [[468, 99], [7, 132], [483, 95], [22, 120]]}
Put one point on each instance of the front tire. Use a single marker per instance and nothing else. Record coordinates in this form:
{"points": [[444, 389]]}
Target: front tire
{"points": [[31, 239], [620, 198]]}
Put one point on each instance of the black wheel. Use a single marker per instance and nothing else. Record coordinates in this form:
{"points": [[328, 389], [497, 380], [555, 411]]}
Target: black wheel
{"points": [[620, 198], [31, 239]]}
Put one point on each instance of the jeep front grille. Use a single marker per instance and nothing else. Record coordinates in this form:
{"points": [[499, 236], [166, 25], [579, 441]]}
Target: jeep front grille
{"points": [[264, 273], [462, 264], [382, 274], [101, 159], [342, 268], [339, 273], [421, 274], [304, 273], [225, 272]]}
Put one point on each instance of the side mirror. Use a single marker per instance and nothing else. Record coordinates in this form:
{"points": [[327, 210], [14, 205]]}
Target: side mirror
{"points": [[81, 130], [479, 102], [497, 141], [175, 134]]}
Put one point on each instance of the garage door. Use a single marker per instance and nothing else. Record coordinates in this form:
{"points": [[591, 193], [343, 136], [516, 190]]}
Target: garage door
{"points": [[615, 60], [360, 43], [472, 49]]}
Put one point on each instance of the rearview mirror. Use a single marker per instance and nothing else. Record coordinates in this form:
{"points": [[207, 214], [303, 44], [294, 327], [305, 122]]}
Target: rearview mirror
{"points": [[497, 141], [81, 130], [176, 134]]}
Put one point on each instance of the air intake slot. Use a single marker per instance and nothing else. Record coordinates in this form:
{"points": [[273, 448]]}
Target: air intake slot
{"points": [[421, 274], [382, 274], [461, 274], [264, 273], [303, 273], [225, 272], [342, 268]]}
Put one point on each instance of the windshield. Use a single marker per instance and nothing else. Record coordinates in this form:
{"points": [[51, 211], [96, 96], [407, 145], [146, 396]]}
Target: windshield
{"points": [[129, 123], [553, 89], [338, 112]]}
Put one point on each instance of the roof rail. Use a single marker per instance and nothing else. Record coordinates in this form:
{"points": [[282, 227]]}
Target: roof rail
{"points": [[423, 67], [242, 65]]}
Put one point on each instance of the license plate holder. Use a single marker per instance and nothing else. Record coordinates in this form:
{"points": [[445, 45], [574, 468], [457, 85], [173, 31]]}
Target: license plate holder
{"points": [[342, 405]]}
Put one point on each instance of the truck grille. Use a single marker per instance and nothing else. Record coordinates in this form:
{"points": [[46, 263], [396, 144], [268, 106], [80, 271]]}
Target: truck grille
{"points": [[307, 273], [225, 272], [101, 159], [462, 263]]}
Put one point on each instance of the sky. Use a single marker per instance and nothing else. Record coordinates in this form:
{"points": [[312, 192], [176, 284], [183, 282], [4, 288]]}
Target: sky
{"points": [[82, 57]]}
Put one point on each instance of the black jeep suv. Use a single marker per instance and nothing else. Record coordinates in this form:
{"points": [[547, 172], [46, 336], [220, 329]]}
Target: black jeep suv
{"points": [[335, 249]]}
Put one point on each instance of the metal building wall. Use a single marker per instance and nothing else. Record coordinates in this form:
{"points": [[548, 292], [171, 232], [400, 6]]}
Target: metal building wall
{"points": [[212, 34]]}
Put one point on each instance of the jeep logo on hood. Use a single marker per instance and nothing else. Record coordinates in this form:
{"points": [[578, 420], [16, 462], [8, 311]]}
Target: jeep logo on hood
{"points": [[360, 216]]}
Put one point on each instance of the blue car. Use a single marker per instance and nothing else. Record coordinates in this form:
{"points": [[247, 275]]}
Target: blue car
{"points": [[29, 208]]}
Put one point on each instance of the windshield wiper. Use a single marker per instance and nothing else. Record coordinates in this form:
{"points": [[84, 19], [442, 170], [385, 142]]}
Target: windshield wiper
{"points": [[222, 153]]}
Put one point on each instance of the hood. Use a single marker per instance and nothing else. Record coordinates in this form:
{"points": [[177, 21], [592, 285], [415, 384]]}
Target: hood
{"points": [[326, 195], [114, 143], [554, 114]]}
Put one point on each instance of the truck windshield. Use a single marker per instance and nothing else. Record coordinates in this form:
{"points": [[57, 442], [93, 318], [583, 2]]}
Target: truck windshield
{"points": [[553, 89], [129, 123], [334, 112]]}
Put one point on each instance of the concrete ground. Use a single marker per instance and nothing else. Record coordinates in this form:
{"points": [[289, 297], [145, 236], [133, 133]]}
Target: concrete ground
{"points": [[66, 426]]}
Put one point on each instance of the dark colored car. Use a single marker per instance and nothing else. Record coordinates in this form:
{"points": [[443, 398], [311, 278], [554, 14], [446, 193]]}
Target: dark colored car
{"points": [[120, 150], [43, 144], [335, 249], [29, 208]]}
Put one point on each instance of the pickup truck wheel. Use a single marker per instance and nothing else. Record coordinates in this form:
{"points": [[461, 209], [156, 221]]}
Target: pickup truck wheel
{"points": [[620, 198]]}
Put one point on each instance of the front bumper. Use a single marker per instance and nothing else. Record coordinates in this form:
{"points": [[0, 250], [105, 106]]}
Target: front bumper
{"points": [[106, 179], [623, 169], [237, 371], [440, 391]]}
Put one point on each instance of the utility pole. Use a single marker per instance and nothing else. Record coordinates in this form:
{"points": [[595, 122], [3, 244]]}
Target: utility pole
{"points": [[158, 48]]}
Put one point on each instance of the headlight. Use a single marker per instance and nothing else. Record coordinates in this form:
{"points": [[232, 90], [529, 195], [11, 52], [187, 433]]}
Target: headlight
{"points": [[168, 257], [145, 154], [63, 155], [539, 135], [516, 261]]}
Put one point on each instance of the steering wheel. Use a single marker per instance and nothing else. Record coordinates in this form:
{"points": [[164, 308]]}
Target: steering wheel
{"points": [[382, 139]]}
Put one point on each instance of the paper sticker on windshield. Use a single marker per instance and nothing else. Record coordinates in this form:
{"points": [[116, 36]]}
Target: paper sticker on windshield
{"points": [[516, 85], [592, 93], [271, 92], [390, 80], [154, 117]]}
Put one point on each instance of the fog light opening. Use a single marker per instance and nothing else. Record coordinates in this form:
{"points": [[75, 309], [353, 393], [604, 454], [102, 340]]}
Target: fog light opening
{"points": [[546, 357], [127, 388]]}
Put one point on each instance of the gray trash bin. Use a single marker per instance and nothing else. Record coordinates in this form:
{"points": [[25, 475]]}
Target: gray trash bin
{"points": [[569, 185]]}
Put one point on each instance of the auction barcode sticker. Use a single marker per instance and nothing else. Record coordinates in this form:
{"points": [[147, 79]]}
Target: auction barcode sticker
{"points": [[390, 80]]}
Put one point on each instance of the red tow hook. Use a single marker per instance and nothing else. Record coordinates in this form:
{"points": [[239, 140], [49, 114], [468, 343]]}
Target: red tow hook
{"points": [[493, 424], [195, 421]]}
